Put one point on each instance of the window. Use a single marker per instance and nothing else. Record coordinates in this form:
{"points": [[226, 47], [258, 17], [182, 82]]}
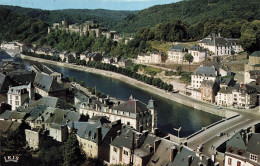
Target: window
{"points": [[238, 163], [253, 157], [16, 102], [125, 153], [229, 161], [115, 150], [16, 98]]}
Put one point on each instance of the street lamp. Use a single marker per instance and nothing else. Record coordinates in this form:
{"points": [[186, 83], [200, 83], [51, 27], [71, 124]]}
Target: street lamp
{"points": [[178, 130]]}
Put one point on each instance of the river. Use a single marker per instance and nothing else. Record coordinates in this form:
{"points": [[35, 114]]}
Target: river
{"points": [[170, 114]]}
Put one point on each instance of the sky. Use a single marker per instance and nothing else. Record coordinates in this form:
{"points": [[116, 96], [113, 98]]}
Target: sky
{"points": [[87, 4]]}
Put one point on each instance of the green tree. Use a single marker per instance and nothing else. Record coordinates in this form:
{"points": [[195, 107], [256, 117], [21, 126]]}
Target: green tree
{"points": [[188, 57], [72, 152], [179, 70]]}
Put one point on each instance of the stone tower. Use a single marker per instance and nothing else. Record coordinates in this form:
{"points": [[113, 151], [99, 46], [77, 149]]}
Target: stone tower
{"points": [[152, 106]]}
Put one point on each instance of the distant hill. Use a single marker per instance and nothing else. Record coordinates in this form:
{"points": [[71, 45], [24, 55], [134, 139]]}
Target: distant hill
{"points": [[15, 26], [191, 11], [107, 18]]}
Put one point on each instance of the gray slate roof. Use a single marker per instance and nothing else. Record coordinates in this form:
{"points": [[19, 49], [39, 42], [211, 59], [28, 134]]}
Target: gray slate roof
{"points": [[236, 143], [132, 106], [206, 71], [254, 144], [256, 54], [47, 83], [177, 48], [208, 83], [244, 88], [226, 90]]}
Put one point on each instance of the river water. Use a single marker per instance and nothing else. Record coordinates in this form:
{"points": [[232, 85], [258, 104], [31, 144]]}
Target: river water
{"points": [[170, 114]]}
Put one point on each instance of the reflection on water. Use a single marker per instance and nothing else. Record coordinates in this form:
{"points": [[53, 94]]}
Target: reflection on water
{"points": [[170, 114]]}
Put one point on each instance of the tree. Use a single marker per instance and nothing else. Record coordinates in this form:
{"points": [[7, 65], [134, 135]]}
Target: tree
{"points": [[179, 70], [72, 152], [188, 57]]}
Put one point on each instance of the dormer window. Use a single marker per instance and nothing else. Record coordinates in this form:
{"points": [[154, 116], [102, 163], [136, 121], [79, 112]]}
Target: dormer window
{"points": [[230, 150], [253, 157], [240, 152]]}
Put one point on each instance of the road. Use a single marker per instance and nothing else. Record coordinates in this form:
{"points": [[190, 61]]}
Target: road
{"points": [[209, 137]]}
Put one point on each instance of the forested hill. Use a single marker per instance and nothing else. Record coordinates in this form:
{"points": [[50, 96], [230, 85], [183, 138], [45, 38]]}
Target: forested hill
{"points": [[19, 27], [107, 18], [192, 11]]}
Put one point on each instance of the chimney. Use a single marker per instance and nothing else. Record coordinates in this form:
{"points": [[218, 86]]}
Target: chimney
{"points": [[140, 128], [99, 135], [247, 138], [156, 131], [219, 34], [216, 164], [189, 160], [208, 161], [118, 132], [156, 144], [145, 132], [252, 129], [173, 153]]}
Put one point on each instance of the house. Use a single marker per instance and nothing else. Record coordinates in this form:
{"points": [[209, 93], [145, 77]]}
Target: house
{"points": [[81, 97], [58, 132], [131, 112], [253, 62], [224, 96], [243, 149], [94, 136], [251, 75], [216, 44], [33, 137], [107, 60], [21, 76], [244, 95], [199, 54], [204, 73], [46, 85], [8, 126], [154, 57], [14, 116], [40, 68], [227, 81], [89, 56], [176, 54], [18, 95], [209, 90], [132, 143], [20, 47], [64, 56]]}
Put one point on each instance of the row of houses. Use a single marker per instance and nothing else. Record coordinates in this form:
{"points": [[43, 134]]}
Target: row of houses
{"points": [[214, 84]]}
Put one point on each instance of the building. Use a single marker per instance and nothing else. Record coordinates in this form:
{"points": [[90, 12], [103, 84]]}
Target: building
{"points": [[107, 60], [244, 95], [227, 81], [58, 132], [89, 56], [149, 58], [251, 75], [4, 83], [132, 143], [46, 85], [19, 47], [18, 95], [176, 54], [199, 54], [209, 90], [131, 112], [243, 149], [96, 135], [253, 62], [225, 97], [220, 46], [33, 137], [21, 76], [204, 73]]}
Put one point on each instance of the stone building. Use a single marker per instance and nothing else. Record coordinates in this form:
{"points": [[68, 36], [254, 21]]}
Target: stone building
{"points": [[154, 57], [176, 54], [244, 95], [209, 90], [199, 54], [18, 95], [254, 62], [131, 112], [33, 137]]}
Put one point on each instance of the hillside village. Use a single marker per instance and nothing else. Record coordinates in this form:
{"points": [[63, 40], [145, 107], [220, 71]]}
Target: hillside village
{"points": [[38, 97]]}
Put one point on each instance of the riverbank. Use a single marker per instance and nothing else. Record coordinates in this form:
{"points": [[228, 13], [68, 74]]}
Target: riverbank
{"points": [[173, 97]]}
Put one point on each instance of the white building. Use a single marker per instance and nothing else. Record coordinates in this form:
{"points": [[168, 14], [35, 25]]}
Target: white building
{"points": [[224, 96], [204, 73], [198, 53], [216, 45], [149, 58], [18, 95], [132, 112], [176, 54], [20, 47], [244, 95]]}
